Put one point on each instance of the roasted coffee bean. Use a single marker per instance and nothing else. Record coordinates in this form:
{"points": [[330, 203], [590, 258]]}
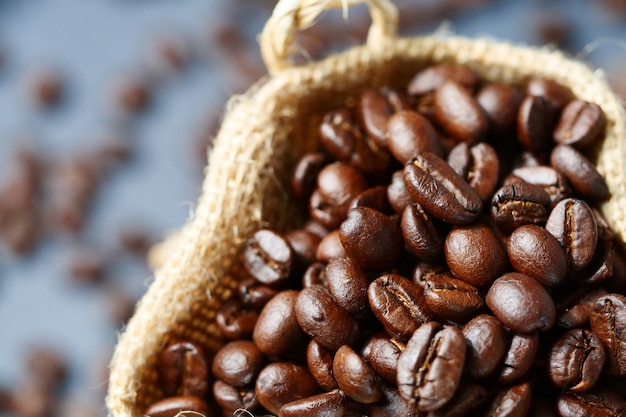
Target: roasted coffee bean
{"points": [[608, 322], [450, 298], [280, 383], [347, 283], [581, 124], [375, 198], [576, 360], [500, 102], [422, 234], [409, 134], [183, 370], [174, 406], [377, 107], [478, 165], [253, 294], [557, 94], [424, 270], [474, 254], [597, 402], [324, 320], [232, 399], [519, 203], [521, 303], [355, 377], [430, 78], [372, 239], [277, 330], [440, 190], [268, 257], [303, 244], [330, 247], [430, 367], [580, 172], [343, 138], [535, 252], [459, 113], [235, 320], [398, 304], [534, 124], [337, 184], [554, 183], [397, 193], [578, 314], [392, 404], [238, 363], [467, 398], [314, 275], [601, 266], [303, 179], [573, 224], [511, 401], [320, 363], [519, 357], [382, 355], [485, 338], [328, 404]]}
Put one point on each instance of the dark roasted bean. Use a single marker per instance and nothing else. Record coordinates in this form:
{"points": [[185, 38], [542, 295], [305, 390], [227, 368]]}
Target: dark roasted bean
{"points": [[382, 355], [519, 203], [459, 113], [375, 198], [578, 315], [392, 404], [557, 94], [422, 235], [397, 193], [347, 283], [521, 303], [314, 275], [597, 402], [324, 320], [376, 107], [450, 298], [581, 124], [355, 377], [608, 322], [183, 370], [409, 134], [430, 367], [303, 244], [500, 103], [277, 330], [398, 304], [467, 398], [474, 254], [232, 399], [535, 252], [511, 401], [485, 338], [238, 363], [328, 404], [519, 357], [253, 294], [372, 239], [280, 383], [576, 360], [554, 183], [580, 172], [305, 174], [429, 79], [235, 320], [268, 257], [478, 165], [534, 124], [441, 191], [320, 363], [173, 406]]}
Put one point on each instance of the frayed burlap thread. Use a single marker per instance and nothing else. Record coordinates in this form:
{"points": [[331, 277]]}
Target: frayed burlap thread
{"points": [[246, 185]]}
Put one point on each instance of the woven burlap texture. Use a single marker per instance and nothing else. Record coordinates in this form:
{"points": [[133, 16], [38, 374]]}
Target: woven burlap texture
{"points": [[261, 137]]}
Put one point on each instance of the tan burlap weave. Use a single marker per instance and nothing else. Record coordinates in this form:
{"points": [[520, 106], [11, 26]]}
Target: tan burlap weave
{"points": [[263, 134]]}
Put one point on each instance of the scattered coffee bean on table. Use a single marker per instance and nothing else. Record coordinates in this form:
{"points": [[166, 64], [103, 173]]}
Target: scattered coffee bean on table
{"points": [[454, 263]]}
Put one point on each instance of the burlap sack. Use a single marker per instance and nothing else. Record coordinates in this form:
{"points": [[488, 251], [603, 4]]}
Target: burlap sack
{"points": [[264, 133]]}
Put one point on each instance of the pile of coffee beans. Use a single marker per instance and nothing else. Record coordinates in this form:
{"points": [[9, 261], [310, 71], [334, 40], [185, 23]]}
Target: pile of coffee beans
{"points": [[453, 263]]}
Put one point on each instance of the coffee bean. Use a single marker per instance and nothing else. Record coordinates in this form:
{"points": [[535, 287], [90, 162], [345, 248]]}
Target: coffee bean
{"points": [[459, 113], [375, 198], [580, 172], [280, 383], [174, 406], [440, 190], [581, 124], [519, 203], [328, 404], [500, 102], [474, 254], [573, 224], [554, 183], [324, 320], [377, 106], [382, 355], [597, 402], [277, 330], [372, 239], [519, 356], [608, 322], [238, 363], [330, 247], [320, 363], [479, 165], [422, 234], [511, 401], [578, 314], [253, 294], [556, 94], [232, 399], [397, 193], [398, 304], [268, 257], [303, 244], [355, 377], [183, 370], [467, 398], [303, 179], [534, 124], [314, 275], [430, 367], [521, 303], [409, 134], [347, 283], [535, 252], [450, 298], [235, 320], [486, 344], [576, 360], [430, 78]]}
